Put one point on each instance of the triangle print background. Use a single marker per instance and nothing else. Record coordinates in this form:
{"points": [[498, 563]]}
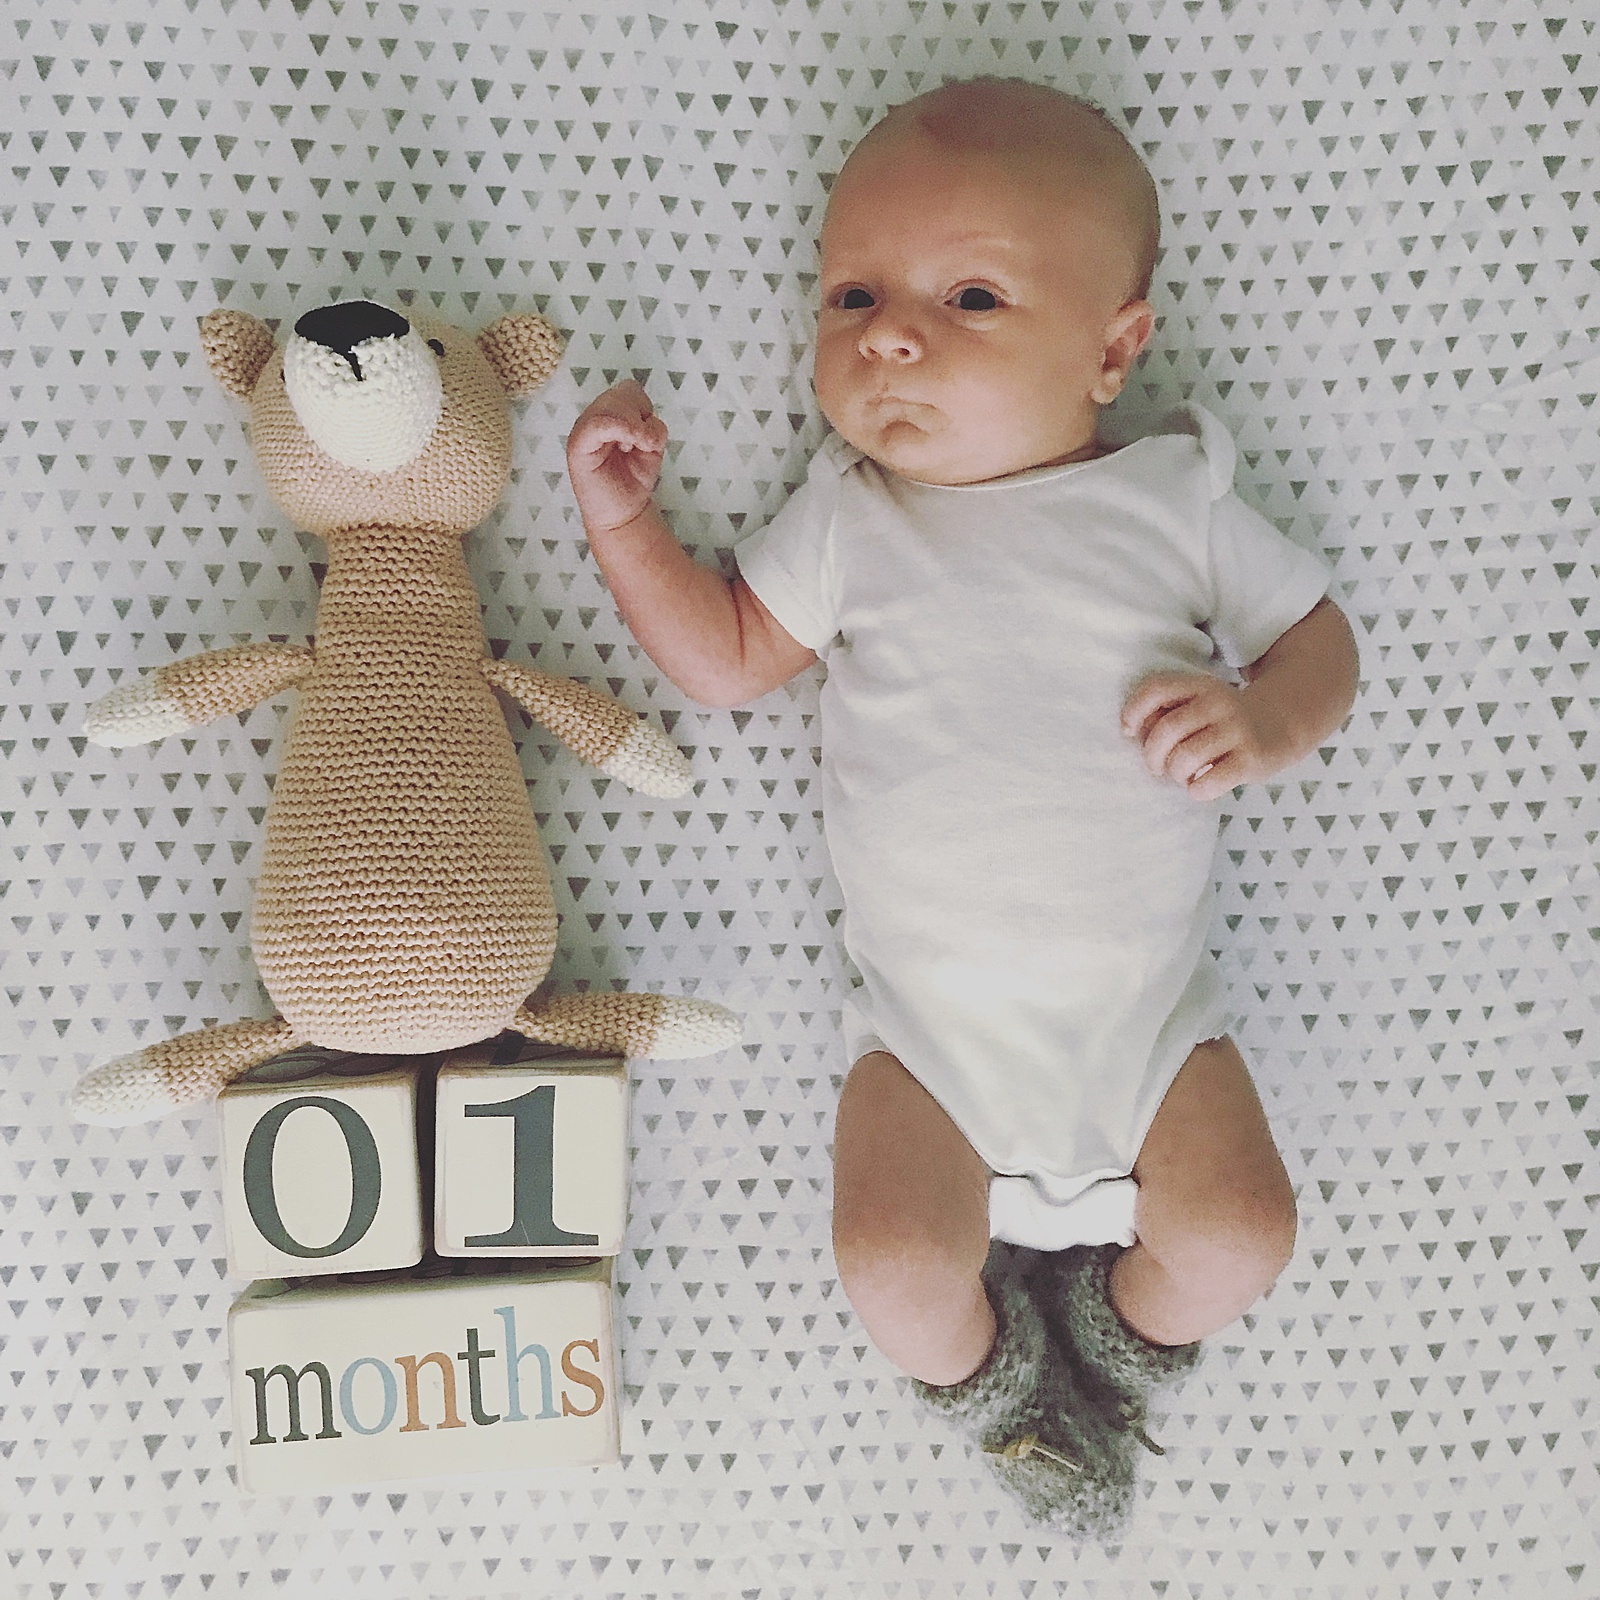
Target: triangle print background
{"points": [[1379, 268]]}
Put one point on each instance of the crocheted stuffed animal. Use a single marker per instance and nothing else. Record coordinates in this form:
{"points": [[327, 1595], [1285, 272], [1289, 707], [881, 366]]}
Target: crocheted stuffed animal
{"points": [[403, 904]]}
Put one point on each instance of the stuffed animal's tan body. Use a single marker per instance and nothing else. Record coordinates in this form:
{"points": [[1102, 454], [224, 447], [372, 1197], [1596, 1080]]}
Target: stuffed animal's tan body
{"points": [[403, 905]]}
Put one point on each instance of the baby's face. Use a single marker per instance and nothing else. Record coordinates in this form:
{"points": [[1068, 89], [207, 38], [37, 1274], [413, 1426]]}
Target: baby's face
{"points": [[972, 304]]}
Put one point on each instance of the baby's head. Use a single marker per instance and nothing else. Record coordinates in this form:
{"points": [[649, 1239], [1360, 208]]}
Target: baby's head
{"points": [[985, 259]]}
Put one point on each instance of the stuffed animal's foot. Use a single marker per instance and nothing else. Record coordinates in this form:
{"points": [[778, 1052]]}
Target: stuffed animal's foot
{"points": [[669, 1027], [176, 1072]]}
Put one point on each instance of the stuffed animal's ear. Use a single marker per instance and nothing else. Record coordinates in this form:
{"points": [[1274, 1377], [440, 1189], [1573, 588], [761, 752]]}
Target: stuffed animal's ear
{"points": [[523, 349], [237, 347]]}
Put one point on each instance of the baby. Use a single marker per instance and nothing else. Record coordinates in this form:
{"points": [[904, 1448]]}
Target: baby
{"points": [[1026, 722]]}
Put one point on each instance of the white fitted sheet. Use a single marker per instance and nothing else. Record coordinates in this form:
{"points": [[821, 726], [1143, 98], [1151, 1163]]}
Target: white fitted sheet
{"points": [[1380, 224]]}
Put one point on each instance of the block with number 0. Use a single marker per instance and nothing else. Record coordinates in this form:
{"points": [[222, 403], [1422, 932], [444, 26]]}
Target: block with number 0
{"points": [[320, 1174], [530, 1153]]}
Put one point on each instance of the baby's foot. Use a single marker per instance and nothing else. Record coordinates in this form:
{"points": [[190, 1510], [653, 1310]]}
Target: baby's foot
{"points": [[1114, 1369], [1021, 1409]]}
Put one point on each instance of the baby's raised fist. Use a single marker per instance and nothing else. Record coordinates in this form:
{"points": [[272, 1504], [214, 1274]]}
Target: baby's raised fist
{"points": [[614, 456]]}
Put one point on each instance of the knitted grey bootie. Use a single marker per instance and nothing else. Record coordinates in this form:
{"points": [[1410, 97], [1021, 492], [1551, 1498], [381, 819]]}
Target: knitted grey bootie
{"points": [[1117, 1369], [1020, 1408]]}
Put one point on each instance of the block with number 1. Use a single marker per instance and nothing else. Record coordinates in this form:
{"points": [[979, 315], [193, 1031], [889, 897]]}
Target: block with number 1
{"points": [[530, 1153]]}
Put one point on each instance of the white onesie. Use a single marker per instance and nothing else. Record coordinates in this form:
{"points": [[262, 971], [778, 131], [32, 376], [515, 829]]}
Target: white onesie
{"points": [[1027, 906]]}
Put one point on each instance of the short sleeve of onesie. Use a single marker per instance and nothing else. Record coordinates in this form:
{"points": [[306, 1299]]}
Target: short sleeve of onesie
{"points": [[1261, 582], [789, 564]]}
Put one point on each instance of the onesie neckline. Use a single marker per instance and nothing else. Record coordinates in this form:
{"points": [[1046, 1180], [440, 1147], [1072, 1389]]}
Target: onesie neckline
{"points": [[1186, 421], [1029, 475]]}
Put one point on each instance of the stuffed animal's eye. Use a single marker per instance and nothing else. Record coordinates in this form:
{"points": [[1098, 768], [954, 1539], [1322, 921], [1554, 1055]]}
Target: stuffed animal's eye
{"points": [[435, 346], [855, 300], [973, 298]]}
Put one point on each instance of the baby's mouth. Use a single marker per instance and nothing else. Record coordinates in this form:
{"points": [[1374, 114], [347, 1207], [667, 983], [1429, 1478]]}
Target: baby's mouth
{"points": [[898, 408]]}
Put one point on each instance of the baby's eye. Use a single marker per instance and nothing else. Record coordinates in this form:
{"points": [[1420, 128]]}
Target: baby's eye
{"points": [[973, 298], [854, 300]]}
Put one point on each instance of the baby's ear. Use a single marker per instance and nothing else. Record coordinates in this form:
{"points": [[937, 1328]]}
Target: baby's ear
{"points": [[1126, 335], [237, 347], [523, 349]]}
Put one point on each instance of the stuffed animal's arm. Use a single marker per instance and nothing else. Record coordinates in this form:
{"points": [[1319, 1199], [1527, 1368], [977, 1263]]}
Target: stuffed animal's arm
{"points": [[184, 694], [600, 730]]}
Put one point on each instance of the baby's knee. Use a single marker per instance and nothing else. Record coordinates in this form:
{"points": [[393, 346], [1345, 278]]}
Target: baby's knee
{"points": [[921, 1302], [896, 1272], [1249, 1232], [1241, 1233], [1263, 1228]]}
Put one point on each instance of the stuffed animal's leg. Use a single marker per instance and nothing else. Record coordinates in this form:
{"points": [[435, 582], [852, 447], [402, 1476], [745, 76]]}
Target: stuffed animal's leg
{"points": [[597, 728], [184, 694], [669, 1027], [192, 1066]]}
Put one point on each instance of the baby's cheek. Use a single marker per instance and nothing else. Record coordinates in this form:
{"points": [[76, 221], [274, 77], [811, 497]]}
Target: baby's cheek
{"points": [[836, 403]]}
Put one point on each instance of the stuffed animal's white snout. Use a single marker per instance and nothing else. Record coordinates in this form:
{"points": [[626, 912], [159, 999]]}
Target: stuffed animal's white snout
{"points": [[364, 384]]}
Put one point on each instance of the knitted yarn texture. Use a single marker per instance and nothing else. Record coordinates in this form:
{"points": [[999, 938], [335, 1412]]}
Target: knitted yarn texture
{"points": [[403, 892], [1073, 1288], [1115, 1369], [403, 904], [1022, 1408]]}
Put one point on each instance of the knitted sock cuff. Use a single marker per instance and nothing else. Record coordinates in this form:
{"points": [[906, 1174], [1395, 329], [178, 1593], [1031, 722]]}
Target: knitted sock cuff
{"points": [[1104, 1340], [1010, 1375]]}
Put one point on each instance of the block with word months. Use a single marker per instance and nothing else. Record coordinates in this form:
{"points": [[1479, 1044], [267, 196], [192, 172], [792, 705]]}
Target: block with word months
{"points": [[320, 1170], [418, 1375], [530, 1153]]}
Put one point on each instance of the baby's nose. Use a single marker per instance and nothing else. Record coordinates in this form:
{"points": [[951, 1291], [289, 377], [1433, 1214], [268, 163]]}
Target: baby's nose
{"points": [[891, 338]]}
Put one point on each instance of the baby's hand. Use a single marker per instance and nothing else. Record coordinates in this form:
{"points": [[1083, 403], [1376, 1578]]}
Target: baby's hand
{"points": [[614, 455], [1195, 730]]}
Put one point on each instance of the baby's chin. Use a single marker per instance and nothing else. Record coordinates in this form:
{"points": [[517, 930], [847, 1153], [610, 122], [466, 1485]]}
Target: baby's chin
{"points": [[940, 460], [921, 451]]}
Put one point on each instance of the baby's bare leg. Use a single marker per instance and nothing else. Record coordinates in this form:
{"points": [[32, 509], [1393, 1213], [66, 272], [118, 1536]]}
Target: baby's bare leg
{"points": [[1216, 1214], [911, 1224]]}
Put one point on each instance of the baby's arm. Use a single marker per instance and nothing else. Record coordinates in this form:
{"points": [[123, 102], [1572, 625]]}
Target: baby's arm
{"points": [[1208, 736], [711, 636]]}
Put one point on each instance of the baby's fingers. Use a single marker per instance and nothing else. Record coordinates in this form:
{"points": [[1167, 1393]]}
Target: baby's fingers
{"points": [[598, 432], [623, 414], [1171, 732], [625, 399], [1156, 696], [1198, 755], [1221, 777]]}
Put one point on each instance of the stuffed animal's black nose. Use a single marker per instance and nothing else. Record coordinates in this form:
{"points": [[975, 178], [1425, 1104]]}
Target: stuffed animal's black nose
{"points": [[347, 323]]}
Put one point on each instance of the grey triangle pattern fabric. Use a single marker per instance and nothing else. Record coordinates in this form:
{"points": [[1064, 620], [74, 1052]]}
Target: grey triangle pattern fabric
{"points": [[1379, 270]]}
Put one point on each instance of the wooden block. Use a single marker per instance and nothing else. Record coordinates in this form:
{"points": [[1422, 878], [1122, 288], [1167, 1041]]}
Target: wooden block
{"points": [[319, 1172], [530, 1153], [417, 1375]]}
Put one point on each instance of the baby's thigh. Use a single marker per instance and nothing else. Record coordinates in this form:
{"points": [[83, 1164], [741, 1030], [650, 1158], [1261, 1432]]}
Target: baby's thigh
{"points": [[906, 1183], [1210, 1177]]}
